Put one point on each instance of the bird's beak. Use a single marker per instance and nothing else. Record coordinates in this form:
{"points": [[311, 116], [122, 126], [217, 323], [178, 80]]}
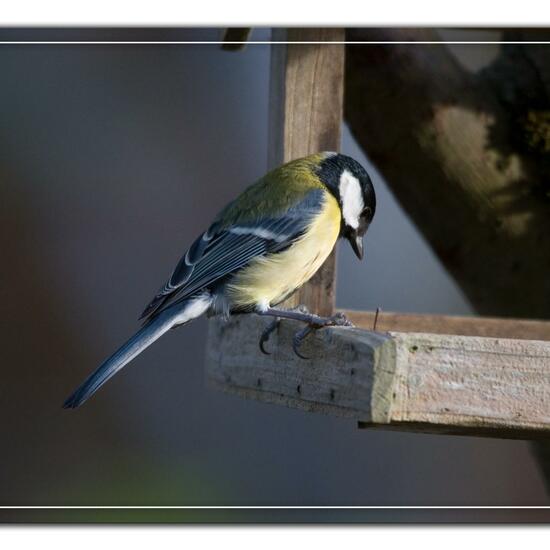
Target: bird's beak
{"points": [[356, 242]]}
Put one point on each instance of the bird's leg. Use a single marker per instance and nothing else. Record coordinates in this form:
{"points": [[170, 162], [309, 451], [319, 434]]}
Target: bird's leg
{"points": [[273, 326], [300, 314], [313, 322]]}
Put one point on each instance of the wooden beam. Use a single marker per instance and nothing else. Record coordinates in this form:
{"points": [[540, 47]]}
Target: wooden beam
{"points": [[407, 381], [306, 104], [340, 386], [497, 327]]}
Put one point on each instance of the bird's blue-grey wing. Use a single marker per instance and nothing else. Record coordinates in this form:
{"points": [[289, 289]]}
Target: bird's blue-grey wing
{"points": [[222, 249]]}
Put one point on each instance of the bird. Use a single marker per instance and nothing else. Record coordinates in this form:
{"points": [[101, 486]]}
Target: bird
{"points": [[261, 248]]}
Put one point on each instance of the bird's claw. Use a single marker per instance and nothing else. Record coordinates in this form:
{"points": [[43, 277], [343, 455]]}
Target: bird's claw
{"points": [[264, 337], [312, 323], [337, 320], [299, 337]]}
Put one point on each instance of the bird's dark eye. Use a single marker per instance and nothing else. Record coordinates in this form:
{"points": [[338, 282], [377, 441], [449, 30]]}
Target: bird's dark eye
{"points": [[366, 212]]}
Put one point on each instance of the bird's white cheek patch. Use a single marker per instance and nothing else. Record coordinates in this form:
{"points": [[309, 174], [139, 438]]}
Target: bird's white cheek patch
{"points": [[351, 197]]}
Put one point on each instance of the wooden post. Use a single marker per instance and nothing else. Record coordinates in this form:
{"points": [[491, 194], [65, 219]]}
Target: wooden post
{"points": [[496, 327], [306, 99], [448, 384]]}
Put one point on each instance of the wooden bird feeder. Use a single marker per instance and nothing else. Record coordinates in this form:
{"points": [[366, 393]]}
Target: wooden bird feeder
{"points": [[421, 373]]}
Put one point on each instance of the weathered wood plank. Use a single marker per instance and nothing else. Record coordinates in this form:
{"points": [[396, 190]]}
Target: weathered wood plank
{"points": [[306, 103], [342, 386], [521, 329], [414, 382], [471, 383]]}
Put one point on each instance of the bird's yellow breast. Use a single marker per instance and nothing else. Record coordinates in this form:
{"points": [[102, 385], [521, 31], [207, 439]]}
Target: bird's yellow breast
{"points": [[268, 280]]}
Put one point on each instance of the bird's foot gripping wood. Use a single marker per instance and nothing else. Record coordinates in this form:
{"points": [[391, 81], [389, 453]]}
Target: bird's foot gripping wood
{"points": [[274, 325], [268, 331], [300, 313]]}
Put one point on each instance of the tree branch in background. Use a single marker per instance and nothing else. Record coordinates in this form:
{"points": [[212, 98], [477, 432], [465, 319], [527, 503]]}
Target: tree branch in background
{"points": [[466, 155]]}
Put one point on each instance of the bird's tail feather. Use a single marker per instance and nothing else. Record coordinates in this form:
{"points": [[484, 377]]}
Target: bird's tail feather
{"points": [[151, 332]]}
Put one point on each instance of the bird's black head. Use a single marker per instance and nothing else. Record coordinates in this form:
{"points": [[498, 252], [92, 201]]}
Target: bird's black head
{"points": [[349, 182]]}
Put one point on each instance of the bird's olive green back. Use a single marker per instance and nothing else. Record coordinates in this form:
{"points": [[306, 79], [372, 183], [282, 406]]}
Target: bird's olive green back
{"points": [[274, 193]]}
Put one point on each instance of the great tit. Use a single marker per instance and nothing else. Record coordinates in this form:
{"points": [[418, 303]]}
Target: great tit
{"points": [[261, 248]]}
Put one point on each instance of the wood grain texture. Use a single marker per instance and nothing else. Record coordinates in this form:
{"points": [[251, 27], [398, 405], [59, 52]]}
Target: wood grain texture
{"points": [[341, 386], [306, 104], [471, 385], [407, 381], [521, 329]]}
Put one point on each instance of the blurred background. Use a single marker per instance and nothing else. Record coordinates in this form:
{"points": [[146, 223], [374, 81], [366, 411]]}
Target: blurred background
{"points": [[112, 160]]}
